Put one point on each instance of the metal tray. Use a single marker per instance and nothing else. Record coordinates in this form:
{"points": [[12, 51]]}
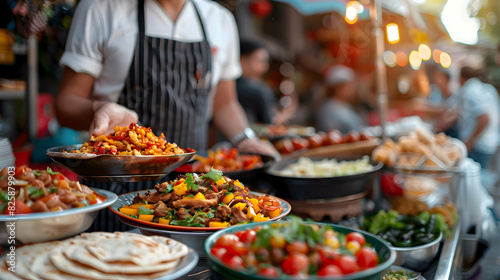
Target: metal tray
{"points": [[118, 168]]}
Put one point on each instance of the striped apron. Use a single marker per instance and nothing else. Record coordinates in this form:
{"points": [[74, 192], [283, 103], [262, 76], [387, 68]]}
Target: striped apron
{"points": [[168, 85]]}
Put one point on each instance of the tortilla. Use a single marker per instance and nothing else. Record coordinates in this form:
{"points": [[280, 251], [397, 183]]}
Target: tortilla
{"points": [[65, 265], [25, 256], [138, 249], [5, 273]]}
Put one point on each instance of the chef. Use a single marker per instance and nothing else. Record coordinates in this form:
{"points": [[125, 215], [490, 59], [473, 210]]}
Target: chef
{"points": [[167, 64]]}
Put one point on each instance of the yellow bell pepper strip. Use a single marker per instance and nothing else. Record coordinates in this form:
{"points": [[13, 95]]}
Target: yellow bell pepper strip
{"points": [[275, 213], [180, 188], [250, 212], [239, 184], [199, 196], [128, 211], [137, 205], [240, 205], [255, 204], [218, 224], [147, 218], [260, 218], [227, 198], [163, 221]]}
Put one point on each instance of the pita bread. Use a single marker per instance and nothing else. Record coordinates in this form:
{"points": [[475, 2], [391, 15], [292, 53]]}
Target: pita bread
{"points": [[138, 249], [65, 265], [5, 273], [25, 256], [45, 270]]}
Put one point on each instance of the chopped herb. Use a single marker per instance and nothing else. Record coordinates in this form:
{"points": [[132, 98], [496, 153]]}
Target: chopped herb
{"points": [[3, 196], [2, 177], [52, 189], [37, 174], [229, 215], [170, 188], [221, 204], [145, 211], [145, 202], [211, 215], [49, 170], [230, 188], [214, 175], [189, 195], [34, 191], [191, 185], [133, 216]]}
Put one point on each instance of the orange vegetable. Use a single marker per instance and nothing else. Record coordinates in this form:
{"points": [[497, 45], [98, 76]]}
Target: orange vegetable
{"points": [[129, 211], [163, 221], [218, 224], [147, 218], [137, 205]]}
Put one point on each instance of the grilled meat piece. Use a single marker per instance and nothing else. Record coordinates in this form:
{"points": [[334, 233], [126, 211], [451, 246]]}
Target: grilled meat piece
{"points": [[161, 187], [222, 212], [160, 209], [197, 203], [141, 197], [182, 214], [237, 216], [154, 198]]}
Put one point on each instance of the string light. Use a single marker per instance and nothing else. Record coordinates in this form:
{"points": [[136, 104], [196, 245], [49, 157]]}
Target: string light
{"points": [[424, 51], [392, 33], [445, 60], [415, 60]]}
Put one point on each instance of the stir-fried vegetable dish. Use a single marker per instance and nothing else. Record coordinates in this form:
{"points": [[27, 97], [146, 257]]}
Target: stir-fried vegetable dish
{"points": [[202, 200], [130, 140], [400, 275], [406, 231], [294, 249], [225, 160], [43, 191]]}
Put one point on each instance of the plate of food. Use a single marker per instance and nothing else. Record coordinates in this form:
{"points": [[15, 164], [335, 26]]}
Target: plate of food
{"points": [[298, 250], [48, 202], [199, 202], [322, 177], [245, 167], [129, 154], [102, 255], [276, 132]]}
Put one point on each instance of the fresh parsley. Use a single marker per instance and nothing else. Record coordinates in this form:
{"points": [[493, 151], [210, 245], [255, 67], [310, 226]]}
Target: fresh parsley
{"points": [[37, 174], [145, 211], [3, 196], [34, 191], [170, 188], [52, 189], [50, 172], [214, 175]]}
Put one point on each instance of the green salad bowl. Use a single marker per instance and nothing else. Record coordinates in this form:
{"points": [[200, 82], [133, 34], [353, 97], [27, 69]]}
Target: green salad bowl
{"points": [[385, 254]]}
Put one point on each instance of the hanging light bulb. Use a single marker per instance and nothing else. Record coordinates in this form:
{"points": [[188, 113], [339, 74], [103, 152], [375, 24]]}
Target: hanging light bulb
{"points": [[392, 33]]}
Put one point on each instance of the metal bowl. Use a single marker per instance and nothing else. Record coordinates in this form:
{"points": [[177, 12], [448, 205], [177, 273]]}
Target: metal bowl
{"points": [[419, 257], [300, 188], [193, 239], [48, 226], [118, 168]]}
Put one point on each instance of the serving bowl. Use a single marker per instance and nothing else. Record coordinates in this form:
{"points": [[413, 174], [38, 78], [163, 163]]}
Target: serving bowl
{"points": [[300, 188], [118, 168], [128, 199], [386, 255], [418, 257], [48, 226]]}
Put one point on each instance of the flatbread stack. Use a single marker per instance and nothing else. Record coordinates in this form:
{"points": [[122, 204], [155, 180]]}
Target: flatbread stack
{"points": [[97, 255]]}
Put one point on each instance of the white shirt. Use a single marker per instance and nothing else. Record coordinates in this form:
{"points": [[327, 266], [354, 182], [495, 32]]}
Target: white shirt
{"points": [[476, 99], [103, 36]]}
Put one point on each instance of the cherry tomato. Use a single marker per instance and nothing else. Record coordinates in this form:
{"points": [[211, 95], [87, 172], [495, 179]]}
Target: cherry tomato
{"points": [[58, 177], [332, 138], [299, 143], [351, 137], [21, 207], [268, 203], [277, 241], [355, 236], [367, 257], [227, 240], [365, 136], [295, 263], [347, 264], [237, 248], [218, 252], [233, 262], [329, 270], [21, 169], [248, 236], [284, 146], [389, 185], [315, 141], [269, 272], [298, 247]]}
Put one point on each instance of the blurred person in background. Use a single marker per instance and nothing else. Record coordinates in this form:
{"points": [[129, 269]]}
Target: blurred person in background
{"points": [[255, 96], [337, 111], [478, 120]]}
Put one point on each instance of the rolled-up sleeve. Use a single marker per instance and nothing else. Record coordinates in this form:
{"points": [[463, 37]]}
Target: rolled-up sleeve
{"points": [[84, 47]]}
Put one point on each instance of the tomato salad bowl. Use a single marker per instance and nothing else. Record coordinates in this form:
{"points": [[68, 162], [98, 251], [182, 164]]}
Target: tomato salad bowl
{"points": [[297, 249]]}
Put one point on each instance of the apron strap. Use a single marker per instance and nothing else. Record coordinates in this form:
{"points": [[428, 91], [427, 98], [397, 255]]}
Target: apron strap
{"points": [[142, 32], [201, 21]]}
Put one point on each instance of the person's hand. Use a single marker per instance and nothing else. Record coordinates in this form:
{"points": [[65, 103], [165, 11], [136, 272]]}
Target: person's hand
{"points": [[107, 115], [255, 145]]}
